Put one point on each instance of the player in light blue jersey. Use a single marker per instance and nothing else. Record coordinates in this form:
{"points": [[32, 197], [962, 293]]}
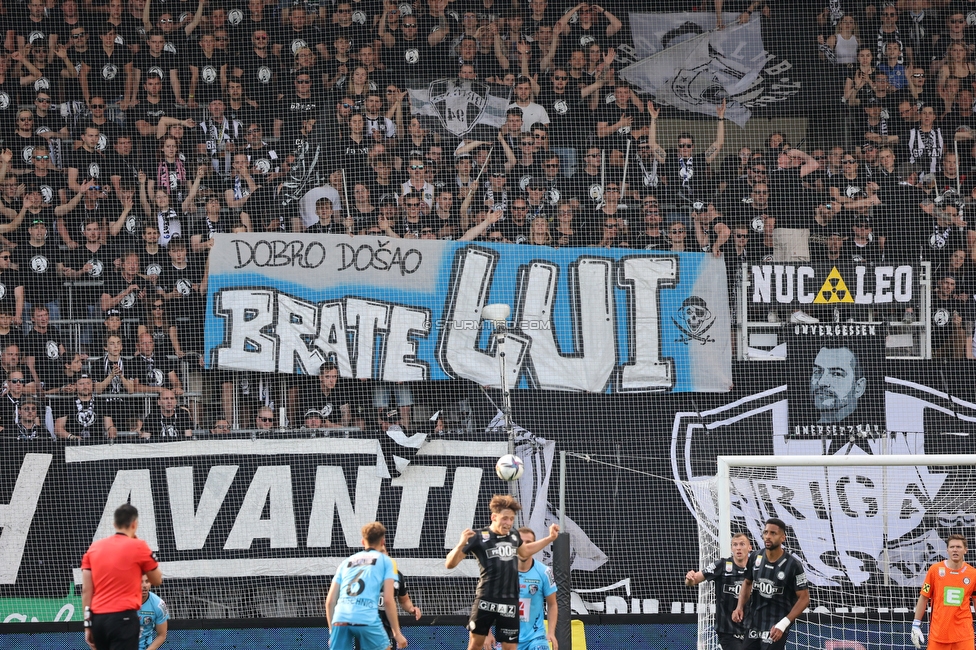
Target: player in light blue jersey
{"points": [[352, 606], [537, 598], [153, 619]]}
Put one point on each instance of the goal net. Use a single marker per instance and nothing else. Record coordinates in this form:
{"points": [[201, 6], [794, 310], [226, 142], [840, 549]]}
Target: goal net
{"points": [[866, 529]]}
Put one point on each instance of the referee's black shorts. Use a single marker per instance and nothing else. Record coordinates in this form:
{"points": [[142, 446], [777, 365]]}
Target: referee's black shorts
{"points": [[116, 631]]}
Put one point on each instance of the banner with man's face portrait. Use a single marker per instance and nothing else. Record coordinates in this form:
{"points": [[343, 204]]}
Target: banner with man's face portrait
{"points": [[837, 389]]}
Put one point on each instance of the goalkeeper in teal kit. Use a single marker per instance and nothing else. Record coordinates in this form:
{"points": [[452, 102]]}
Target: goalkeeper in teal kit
{"points": [[537, 601]]}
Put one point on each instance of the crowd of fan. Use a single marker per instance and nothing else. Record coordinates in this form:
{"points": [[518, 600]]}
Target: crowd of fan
{"points": [[134, 131]]}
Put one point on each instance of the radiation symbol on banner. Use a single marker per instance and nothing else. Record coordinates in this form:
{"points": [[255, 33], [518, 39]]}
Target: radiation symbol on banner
{"points": [[834, 290]]}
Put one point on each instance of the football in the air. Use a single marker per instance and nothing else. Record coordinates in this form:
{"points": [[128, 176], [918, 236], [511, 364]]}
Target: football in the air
{"points": [[509, 467]]}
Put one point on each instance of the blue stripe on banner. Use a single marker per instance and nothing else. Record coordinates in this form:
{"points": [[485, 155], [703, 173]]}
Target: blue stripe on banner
{"points": [[576, 344]]}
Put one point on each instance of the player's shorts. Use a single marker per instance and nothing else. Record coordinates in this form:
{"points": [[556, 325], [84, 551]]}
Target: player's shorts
{"points": [[955, 645], [368, 637], [731, 641], [537, 644], [759, 640], [503, 616]]}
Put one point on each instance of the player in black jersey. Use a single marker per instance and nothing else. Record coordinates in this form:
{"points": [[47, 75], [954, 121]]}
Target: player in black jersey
{"points": [[782, 591], [496, 547], [728, 575]]}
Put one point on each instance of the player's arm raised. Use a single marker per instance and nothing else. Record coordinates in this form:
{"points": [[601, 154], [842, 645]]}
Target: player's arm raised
{"points": [[458, 552], [744, 595], [528, 549]]}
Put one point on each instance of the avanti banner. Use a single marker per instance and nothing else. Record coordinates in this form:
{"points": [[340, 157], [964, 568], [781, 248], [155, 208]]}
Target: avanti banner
{"points": [[583, 319]]}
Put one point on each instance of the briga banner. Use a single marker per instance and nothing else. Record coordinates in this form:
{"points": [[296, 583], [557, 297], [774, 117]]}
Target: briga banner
{"points": [[591, 320]]}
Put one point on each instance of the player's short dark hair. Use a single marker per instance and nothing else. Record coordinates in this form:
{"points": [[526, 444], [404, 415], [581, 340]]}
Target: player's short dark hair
{"points": [[373, 532], [327, 366], [501, 502], [176, 243], [38, 307], [776, 521], [685, 135], [525, 529], [125, 515], [323, 201], [960, 537]]}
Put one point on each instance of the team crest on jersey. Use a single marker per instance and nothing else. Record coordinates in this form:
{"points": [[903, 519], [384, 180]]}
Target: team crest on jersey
{"points": [[326, 411], [596, 192], [940, 317], [41, 84], [47, 193], [412, 55], [264, 74], [109, 71], [183, 287], [586, 40], [86, 417], [965, 581], [154, 269], [169, 431], [156, 71], [35, 36], [852, 191], [4, 101], [128, 301], [102, 142], [485, 535], [209, 74], [53, 352], [533, 590], [728, 567], [94, 171], [757, 224], [759, 559], [359, 17], [560, 107], [235, 16], [937, 241], [941, 572], [780, 575], [97, 268], [3, 290], [169, 47], [298, 44], [39, 264], [130, 225]]}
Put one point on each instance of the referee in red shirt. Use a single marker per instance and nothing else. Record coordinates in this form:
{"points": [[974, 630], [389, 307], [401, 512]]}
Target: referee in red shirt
{"points": [[111, 593]]}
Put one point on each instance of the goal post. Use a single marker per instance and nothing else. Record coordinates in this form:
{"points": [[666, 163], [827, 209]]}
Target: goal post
{"points": [[866, 528]]}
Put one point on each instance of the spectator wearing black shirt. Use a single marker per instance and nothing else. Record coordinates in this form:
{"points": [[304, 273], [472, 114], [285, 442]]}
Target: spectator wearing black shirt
{"points": [[44, 351], [208, 73], [949, 339], [686, 176], [154, 60], [108, 71], [113, 379], [152, 372], [88, 163], [37, 261], [83, 416], [92, 261], [124, 289], [8, 284], [166, 422], [14, 388]]}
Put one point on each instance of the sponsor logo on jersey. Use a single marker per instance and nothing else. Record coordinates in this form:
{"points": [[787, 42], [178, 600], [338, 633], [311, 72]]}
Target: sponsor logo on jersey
{"points": [[503, 551]]}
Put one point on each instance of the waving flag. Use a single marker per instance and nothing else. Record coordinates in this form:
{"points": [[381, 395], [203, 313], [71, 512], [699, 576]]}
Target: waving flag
{"points": [[459, 105]]}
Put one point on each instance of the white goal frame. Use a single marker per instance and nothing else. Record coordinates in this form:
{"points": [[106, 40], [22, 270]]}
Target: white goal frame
{"points": [[722, 475]]}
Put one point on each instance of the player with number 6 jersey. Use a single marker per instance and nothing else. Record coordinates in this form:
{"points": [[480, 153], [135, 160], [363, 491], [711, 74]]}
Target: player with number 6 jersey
{"points": [[351, 606], [949, 587]]}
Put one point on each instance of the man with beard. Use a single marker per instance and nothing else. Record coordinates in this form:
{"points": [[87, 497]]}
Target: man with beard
{"points": [[837, 382], [83, 417]]}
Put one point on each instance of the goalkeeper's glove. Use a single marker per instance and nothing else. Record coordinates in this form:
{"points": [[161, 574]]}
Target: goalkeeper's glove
{"points": [[918, 637]]}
